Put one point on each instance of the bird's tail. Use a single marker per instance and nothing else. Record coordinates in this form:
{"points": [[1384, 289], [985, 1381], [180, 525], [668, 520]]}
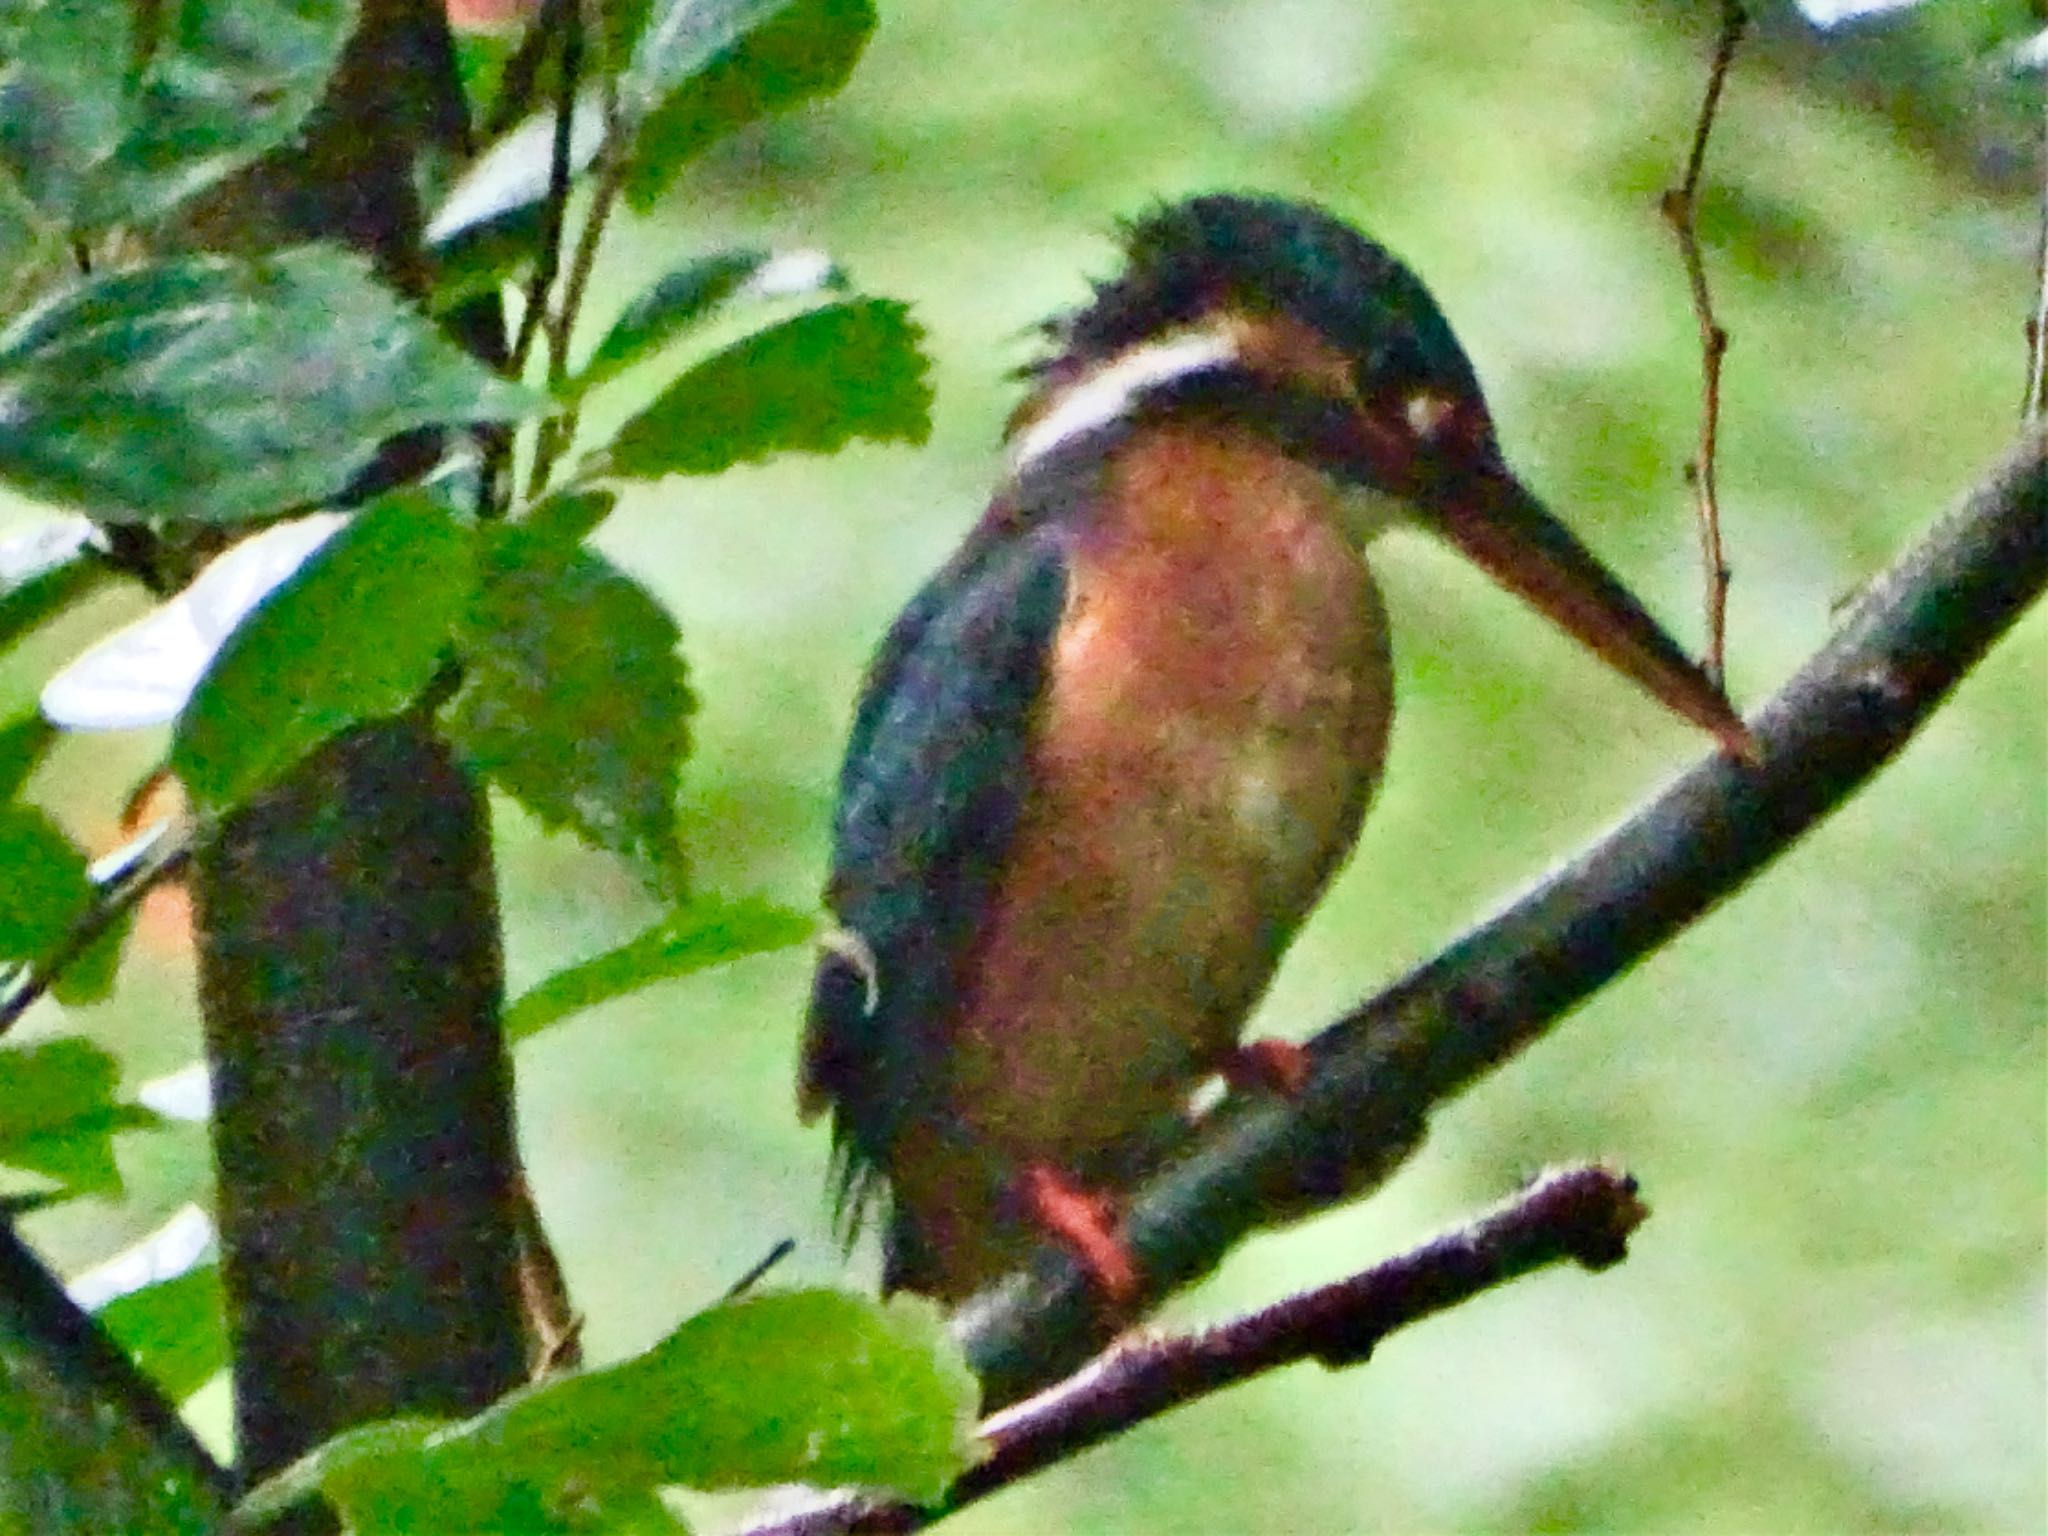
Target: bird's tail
{"points": [[909, 1261]]}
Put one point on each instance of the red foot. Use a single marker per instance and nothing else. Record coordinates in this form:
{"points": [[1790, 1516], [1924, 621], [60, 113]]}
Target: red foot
{"points": [[1084, 1224], [1279, 1066]]}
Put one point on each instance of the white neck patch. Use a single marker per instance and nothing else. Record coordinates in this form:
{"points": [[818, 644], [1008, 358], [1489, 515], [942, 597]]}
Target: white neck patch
{"points": [[1115, 386]]}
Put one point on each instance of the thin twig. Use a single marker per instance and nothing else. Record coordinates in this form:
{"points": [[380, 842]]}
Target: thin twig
{"points": [[760, 1269], [1378, 1073], [1680, 207], [611, 176], [558, 432], [1583, 1215], [154, 858], [564, 18], [2036, 405]]}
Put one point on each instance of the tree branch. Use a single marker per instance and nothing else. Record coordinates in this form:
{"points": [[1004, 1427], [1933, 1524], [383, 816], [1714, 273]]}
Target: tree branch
{"points": [[1584, 1215], [1377, 1072], [95, 1446], [369, 1201], [349, 963]]}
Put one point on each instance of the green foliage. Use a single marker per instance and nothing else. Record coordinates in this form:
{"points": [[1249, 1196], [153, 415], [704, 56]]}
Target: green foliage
{"points": [[569, 516], [810, 1386], [675, 302], [88, 976], [477, 260], [59, 1114], [19, 234], [699, 70], [709, 931], [223, 390], [811, 384], [175, 1329], [100, 125], [353, 635], [719, 65], [215, 393], [574, 698], [43, 572], [22, 745], [45, 886], [480, 214]]}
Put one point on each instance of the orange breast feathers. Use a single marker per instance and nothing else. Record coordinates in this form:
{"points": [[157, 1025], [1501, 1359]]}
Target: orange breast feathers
{"points": [[1212, 729]]}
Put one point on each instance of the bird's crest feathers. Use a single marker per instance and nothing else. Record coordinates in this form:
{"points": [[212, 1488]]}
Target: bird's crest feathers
{"points": [[1232, 254]]}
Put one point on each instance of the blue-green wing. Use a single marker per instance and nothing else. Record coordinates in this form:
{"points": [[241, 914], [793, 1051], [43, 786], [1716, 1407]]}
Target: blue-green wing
{"points": [[928, 800]]}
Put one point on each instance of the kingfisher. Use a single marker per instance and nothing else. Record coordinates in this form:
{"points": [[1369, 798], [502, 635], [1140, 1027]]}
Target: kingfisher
{"points": [[1106, 761]]}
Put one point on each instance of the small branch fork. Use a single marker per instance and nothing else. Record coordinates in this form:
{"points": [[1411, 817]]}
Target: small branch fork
{"points": [[1680, 207], [1582, 1215]]}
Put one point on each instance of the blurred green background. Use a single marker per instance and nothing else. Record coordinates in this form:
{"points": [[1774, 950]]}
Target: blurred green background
{"points": [[1835, 1091]]}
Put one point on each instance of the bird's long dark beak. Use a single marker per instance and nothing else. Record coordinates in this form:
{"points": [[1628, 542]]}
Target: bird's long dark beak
{"points": [[1509, 534]]}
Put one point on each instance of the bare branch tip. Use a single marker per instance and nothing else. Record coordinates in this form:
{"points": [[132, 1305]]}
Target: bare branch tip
{"points": [[1592, 1209]]}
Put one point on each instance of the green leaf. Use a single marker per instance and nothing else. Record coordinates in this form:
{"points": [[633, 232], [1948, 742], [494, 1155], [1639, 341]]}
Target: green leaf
{"points": [[700, 69], [809, 385], [63, 104], [43, 572], [567, 517], [482, 259], [372, 1474], [92, 140], [480, 59], [490, 198], [710, 931], [574, 699], [354, 634], [45, 881], [624, 21], [24, 238], [813, 1386], [176, 1330], [161, 1301], [58, 1114], [800, 1386], [680, 299], [220, 390], [681, 38], [43, 884], [716, 65], [89, 977], [22, 745]]}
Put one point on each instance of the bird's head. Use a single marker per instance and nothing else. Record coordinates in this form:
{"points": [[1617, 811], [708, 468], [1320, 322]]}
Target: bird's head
{"points": [[1274, 314]]}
